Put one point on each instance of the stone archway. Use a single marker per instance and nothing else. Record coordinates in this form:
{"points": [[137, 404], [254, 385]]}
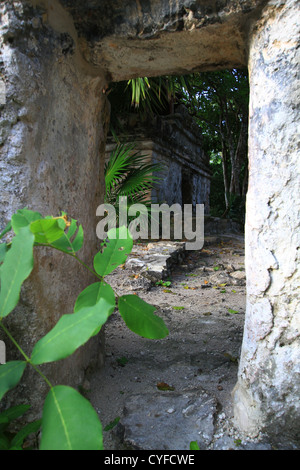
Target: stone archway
{"points": [[57, 58]]}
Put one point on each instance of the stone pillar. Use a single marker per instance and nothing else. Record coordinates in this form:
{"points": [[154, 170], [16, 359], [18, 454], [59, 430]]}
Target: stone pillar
{"points": [[266, 397], [52, 132]]}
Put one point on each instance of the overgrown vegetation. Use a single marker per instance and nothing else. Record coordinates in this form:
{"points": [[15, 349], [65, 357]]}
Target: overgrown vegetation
{"points": [[69, 421], [129, 173], [218, 101]]}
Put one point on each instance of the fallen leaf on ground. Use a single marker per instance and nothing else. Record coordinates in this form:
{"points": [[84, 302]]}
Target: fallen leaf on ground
{"points": [[164, 386], [232, 311], [112, 424], [168, 291]]}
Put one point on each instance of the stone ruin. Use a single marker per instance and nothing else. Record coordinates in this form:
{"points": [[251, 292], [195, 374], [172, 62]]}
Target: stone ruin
{"points": [[174, 141], [57, 58]]}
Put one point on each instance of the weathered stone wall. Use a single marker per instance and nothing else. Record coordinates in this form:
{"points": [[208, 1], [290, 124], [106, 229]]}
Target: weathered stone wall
{"points": [[52, 130], [130, 38], [186, 178], [268, 390], [175, 143]]}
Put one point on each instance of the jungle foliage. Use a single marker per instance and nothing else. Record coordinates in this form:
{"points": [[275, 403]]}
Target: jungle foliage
{"points": [[218, 101]]}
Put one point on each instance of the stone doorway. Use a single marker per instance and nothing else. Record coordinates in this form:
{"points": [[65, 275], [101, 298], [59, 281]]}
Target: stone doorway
{"points": [[186, 187], [56, 63]]}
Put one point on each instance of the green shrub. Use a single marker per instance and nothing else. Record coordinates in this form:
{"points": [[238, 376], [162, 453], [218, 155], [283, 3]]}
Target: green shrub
{"points": [[69, 422]]}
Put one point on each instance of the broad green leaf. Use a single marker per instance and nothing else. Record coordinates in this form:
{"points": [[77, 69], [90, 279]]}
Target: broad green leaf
{"points": [[6, 230], [10, 375], [92, 295], [69, 422], [138, 316], [71, 332], [17, 266], [69, 242], [115, 253], [15, 412], [78, 240], [30, 428], [23, 218], [3, 249], [47, 231]]}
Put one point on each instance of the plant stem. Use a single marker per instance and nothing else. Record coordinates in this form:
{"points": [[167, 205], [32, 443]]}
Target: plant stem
{"points": [[73, 255], [87, 267], [28, 360]]}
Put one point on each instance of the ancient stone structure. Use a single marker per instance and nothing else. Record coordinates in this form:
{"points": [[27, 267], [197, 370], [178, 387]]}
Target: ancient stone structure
{"points": [[56, 58], [175, 142]]}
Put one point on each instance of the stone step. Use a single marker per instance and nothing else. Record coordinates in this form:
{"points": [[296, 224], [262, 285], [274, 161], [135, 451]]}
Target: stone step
{"points": [[156, 260]]}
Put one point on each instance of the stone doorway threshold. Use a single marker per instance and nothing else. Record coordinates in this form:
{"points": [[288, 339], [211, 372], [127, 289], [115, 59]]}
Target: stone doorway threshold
{"points": [[164, 394]]}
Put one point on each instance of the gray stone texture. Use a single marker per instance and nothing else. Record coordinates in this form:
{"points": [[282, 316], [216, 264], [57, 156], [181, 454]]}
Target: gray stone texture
{"points": [[268, 390], [136, 37], [181, 417]]}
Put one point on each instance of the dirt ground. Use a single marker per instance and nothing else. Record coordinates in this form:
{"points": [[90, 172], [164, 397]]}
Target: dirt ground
{"points": [[203, 306]]}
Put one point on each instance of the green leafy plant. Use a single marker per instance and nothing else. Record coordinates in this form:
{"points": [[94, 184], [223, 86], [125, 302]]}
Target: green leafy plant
{"points": [[112, 424], [129, 173], [163, 283], [194, 445], [130, 177], [230, 310], [122, 361], [69, 422], [15, 441]]}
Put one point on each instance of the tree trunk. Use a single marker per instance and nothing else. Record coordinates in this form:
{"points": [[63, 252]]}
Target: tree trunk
{"points": [[224, 165], [238, 158]]}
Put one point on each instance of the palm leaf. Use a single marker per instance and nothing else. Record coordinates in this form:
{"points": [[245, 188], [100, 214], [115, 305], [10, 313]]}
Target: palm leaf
{"points": [[148, 94], [138, 180], [118, 164], [128, 173]]}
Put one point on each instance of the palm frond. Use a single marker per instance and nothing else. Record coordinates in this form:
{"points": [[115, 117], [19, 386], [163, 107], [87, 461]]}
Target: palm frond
{"points": [[118, 164], [129, 173]]}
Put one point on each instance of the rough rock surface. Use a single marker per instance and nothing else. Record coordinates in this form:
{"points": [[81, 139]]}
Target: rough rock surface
{"points": [[149, 417], [137, 37], [154, 261], [269, 375]]}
